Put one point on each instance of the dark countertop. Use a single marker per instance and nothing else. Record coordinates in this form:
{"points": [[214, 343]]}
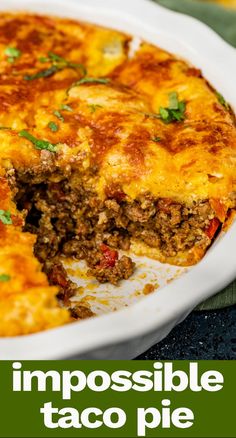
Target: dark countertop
{"points": [[203, 335]]}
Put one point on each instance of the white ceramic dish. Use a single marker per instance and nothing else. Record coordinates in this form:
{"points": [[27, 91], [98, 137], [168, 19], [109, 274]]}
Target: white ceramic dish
{"points": [[130, 331]]}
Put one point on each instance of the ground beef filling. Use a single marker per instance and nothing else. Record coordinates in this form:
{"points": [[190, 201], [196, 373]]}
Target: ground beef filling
{"points": [[69, 220]]}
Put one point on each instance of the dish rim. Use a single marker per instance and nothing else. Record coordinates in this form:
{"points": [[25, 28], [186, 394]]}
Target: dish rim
{"points": [[162, 307]]}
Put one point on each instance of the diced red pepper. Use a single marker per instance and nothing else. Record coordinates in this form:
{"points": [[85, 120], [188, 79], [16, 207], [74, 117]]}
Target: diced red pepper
{"points": [[110, 256], [212, 228]]}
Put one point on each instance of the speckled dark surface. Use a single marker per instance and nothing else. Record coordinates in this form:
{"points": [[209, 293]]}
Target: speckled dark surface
{"points": [[203, 335]]}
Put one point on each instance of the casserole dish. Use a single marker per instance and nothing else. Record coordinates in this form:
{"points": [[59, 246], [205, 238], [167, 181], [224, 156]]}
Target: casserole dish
{"points": [[197, 56]]}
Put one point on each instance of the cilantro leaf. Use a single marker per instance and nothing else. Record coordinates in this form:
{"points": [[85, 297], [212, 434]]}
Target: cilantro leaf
{"points": [[222, 100], [58, 63], [44, 59], [164, 114], [63, 63], [42, 73], [56, 58], [156, 139], [53, 126], [5, 217], [4, 277], [59, 115], [93, 107], [39, 144], [175, 110], [173, 101], [88, 80], [12, 54], [65, 107]]}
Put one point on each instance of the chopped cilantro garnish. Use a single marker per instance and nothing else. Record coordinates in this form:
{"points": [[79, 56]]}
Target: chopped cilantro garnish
{"points": [[93, 107], [12, 54], [164, 113], [63, 63], [56, 58], [156, 139], [4, 277], [173, 101], [88, 80], [175, 111], [58, 63], [66, 108], [43, 59], [63, 108], [42, 73], [5, 217], [222, 100], [39, 144], [59, 115], [53, 126]]}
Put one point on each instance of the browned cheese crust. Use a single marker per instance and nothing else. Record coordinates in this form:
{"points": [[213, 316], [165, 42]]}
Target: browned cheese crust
{"points": [[101, 148]]}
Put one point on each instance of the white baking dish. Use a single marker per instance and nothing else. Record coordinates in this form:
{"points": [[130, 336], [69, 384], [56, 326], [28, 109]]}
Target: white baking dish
{"points": [[128, 332]]}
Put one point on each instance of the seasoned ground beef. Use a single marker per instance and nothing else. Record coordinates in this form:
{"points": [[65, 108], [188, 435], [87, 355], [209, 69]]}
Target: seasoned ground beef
{"points": [[123, 268], [57, 275], [72, 221], [81, 312]]}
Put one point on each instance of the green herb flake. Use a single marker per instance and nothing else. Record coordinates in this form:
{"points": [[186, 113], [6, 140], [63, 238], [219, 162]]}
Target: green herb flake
{"points": [[63, 63], [88, 80], [12, 54], [5, 217], [44, 59], [156, 139], [222, 100], [39, 144], [93, 107], [173, 101], [53, 126], [41, 74], [4, 277], [175, 111], [59, 115], [66, 108], [164, 114], [56, 58], [58, 63]]}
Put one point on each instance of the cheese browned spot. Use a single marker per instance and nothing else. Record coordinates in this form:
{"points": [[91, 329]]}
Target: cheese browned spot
{"points": [[102, 148]]}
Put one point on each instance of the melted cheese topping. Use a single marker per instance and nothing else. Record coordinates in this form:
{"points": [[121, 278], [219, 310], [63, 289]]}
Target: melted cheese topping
{"points": [[27, 303], [108, 126]]}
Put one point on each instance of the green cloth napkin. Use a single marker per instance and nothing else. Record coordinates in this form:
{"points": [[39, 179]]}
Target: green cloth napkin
{"points": [[223, 21]]}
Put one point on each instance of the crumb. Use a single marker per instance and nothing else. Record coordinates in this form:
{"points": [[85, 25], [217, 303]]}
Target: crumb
{"points": [[148, 289]]}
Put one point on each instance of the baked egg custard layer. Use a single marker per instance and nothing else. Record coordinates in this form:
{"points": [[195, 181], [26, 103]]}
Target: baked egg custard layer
{"points": [[106, 144]]}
